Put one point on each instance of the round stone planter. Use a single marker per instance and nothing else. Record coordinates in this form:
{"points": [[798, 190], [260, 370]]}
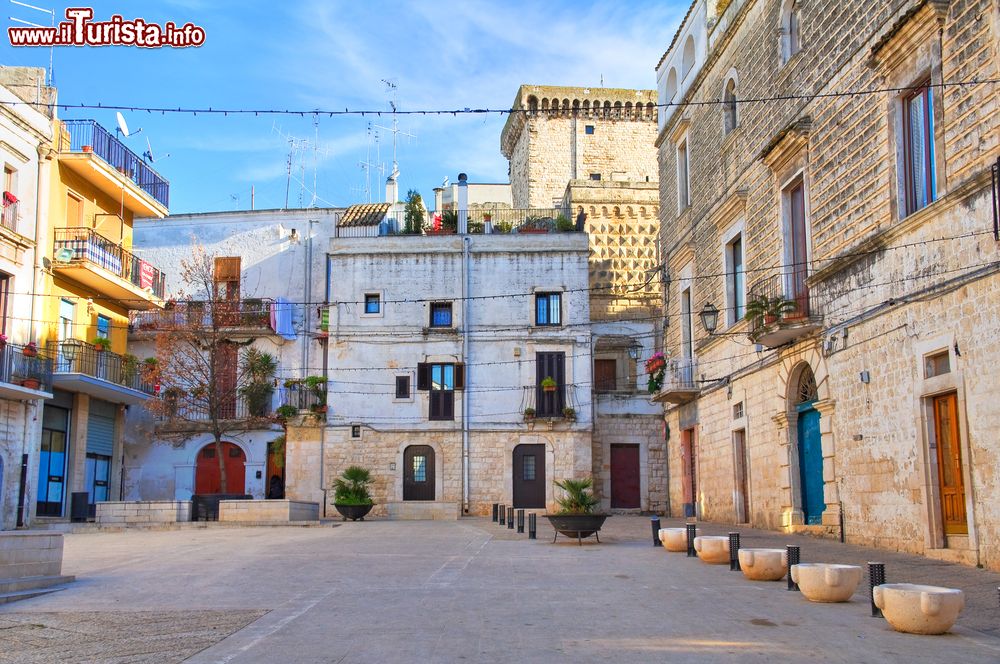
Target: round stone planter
{"points": [[917, 609], [675, 539], [712, 549], [763, 564], [821, 582], [354, 512]]}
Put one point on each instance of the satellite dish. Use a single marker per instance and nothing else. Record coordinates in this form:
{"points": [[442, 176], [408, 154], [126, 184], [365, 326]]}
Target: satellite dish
{"points": [[148, 154], [123, 126], [64, 255]]}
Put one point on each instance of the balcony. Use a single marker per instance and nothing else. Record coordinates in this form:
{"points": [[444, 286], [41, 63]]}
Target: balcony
{"points": [[551, 407], [95, 154], [248, 317], [81, 367], [680, 382], [780, 309], [93, 260], [9, 217], [376, 220], [24, 377]]}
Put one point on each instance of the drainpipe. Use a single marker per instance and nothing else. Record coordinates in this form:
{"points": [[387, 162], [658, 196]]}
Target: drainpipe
{"points": [[41, 236], [465, 359]]}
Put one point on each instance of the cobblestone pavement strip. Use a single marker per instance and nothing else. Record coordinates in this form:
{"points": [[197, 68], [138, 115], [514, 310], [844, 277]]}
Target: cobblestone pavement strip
{"points": [[469, 591]]}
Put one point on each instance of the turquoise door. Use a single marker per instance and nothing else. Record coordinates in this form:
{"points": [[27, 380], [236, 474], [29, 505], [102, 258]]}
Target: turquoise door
{"points": [[810, 464]]}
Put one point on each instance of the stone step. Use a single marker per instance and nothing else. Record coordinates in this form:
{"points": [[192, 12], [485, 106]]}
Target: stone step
{"points": [[28, 583], [7, 598], [420, 510]]}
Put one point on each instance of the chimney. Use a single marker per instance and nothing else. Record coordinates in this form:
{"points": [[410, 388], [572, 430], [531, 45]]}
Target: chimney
{"points": [[438, 194], [391, 189], [463, 203]]}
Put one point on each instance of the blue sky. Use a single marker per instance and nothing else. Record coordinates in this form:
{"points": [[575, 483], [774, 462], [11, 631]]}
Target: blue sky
{"points": [[334, 55]]}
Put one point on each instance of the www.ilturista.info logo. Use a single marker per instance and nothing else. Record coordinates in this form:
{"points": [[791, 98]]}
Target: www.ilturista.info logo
{"points": [[80, 30]]}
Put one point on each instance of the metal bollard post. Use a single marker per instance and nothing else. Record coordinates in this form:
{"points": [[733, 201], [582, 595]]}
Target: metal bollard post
{"points": [[510, 518], [520, 521], [532, 529], [734, 552], [503, 514], [793, 559], [654, 523], [691, 529], [496, 510], [876, 577]]}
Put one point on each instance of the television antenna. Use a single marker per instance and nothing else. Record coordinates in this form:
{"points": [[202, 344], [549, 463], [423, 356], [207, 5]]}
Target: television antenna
{"points": [[52, 24], [148, 154], [296, 149], [392, 91]]}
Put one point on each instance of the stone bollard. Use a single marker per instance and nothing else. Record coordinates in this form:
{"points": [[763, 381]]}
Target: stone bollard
{"points": [[532, 526], [520, 521]]}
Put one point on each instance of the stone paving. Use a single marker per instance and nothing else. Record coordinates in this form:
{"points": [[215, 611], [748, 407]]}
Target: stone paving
{"points": [[469, 590]]}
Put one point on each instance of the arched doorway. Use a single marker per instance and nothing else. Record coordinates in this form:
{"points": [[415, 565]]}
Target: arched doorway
{"points": [[529, 476], [810, 448], [207, 478], [418, 473]]}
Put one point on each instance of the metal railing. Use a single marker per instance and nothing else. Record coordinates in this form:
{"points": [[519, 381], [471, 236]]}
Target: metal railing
{"points": [[303, 397], [480, 221], [87, 245], [775, 292], [17, 368], [74, 356], [193, 409], [550, 405], [89, 136], [680, 375], [9, 217], [250, 314]]}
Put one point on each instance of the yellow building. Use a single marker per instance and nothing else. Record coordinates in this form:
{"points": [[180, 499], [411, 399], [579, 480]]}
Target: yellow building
{"points": [[96, 187]]}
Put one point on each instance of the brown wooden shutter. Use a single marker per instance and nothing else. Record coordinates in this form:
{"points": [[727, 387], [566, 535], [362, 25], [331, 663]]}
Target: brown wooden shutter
{"points": [[227, 268], [459, 376], [423, 376]]}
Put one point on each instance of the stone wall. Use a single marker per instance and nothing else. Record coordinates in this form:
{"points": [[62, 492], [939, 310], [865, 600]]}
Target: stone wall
{"points": [[143, 512], [267, 511], [26, 553], [20, 430]]}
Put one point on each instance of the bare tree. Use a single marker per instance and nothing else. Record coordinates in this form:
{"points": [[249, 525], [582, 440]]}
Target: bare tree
{"points": [[202, 370]]}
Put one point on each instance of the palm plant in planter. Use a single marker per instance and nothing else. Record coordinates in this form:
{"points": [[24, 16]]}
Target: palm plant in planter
{"points": [[350, 493], [765, 310], [577, 516]]}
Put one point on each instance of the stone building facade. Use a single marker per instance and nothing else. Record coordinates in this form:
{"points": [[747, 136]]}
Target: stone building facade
{"points": [[856, 399], [592, 151], [438, 348]]}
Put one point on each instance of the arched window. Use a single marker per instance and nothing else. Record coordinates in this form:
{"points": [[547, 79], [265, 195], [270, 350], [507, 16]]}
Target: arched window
{"points": [[806, 389], [730, 118], [791, 29], [671, 85], [533, 104], [687, 59]]}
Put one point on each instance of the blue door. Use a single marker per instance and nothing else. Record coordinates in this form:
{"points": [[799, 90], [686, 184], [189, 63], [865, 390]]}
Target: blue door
{"points": [[810, 464]]}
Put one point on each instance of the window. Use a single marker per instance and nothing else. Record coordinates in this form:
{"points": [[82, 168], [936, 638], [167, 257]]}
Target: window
{"points": [[794, 35], [355, 431], [687, 340], [103, 326], [529, 467], [550, 402], [937, 364], [402, 387], [548, 309], [373, 303], [735, 281], [441, 381], [738, 410], [595, 176], [67, 314], [10, 198], [74, 211], [589, 129], [687, 58], [441, 314], [4, 301], [729, 106], [797, 246], [918, 149], [605, 375], [683, 184], [419, 468]]}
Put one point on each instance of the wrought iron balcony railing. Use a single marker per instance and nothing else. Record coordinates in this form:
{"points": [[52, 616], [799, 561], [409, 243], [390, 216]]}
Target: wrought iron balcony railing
{"points": [[550, 404], [480, 221], [89, 136], [73, 356], [780, 308], [9, 216], [33, 370], [251, 314], [88, 246]]}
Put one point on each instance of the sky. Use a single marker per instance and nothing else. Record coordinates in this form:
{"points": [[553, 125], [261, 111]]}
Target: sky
{"points": [[335, 54]]}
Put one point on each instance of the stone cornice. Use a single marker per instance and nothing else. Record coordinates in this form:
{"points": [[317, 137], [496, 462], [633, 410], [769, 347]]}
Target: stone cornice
{"points": [[915, 27], [787, 143]]}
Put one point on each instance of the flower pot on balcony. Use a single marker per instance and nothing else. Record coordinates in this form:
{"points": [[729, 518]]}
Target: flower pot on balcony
{"points": [[30, 350], [31, 383], [88, 148]]}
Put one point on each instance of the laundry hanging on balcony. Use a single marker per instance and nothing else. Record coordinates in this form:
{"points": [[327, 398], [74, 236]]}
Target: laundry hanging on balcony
{"points": [[281, 318]]}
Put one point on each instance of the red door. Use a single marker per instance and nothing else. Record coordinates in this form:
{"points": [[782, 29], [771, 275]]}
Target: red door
{"points": [[207, 477], [625, 476]]}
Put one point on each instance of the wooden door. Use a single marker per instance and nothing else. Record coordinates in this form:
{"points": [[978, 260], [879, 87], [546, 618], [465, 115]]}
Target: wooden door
{"points": [[550, 365], [529, 476], [625, 477], [949, 457], [810, 464], [605, 375], [689, 484], [208, 479], [418, 473], [742, 497], [799, 254]]}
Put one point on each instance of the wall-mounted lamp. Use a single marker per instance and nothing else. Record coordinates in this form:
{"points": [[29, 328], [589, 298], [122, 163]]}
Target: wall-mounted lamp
{"points": [[709, 317], [634, 350]]}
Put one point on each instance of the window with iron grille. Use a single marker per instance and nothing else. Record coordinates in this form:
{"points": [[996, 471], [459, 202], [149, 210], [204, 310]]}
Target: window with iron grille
{"points": [[402, 387], [548, 309], [441, 314]]}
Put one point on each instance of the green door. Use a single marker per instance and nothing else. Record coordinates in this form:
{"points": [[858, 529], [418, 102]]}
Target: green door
{"points": [[810, 463]]}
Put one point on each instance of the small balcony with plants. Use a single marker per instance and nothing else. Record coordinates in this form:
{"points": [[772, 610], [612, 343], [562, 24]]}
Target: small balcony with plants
{"points": [[549, 403], [89, 258], [91, 368], [305, 395], [25, 374], [10, 214], [780, 309], [672, 380], [383, 221], [247, 317]]}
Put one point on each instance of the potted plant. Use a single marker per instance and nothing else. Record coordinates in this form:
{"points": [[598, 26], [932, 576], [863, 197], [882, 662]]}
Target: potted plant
{"points": [[656, 367], [564, 225], [535, 225], [549, 384], [31, 383], [350, 493], [577, 516], [286, 412], [88, 148], [101, 344], [569, 413], [30, 349], [768, 309], [130, 367], [529, 414], [149, 369]]}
